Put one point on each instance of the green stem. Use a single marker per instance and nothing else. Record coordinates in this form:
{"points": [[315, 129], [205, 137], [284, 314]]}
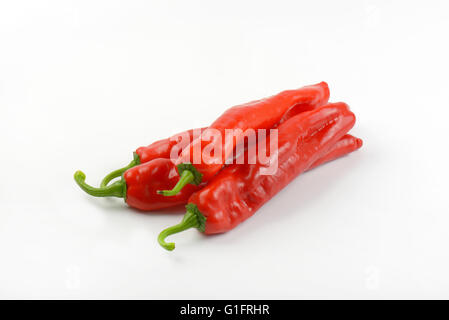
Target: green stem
{"points": [[186, 178], [192, 219], [188, 174], [117, 173], [117, 189]]}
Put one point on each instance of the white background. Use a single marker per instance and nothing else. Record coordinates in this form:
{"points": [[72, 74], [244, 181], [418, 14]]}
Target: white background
{"points": [[83, 83]]}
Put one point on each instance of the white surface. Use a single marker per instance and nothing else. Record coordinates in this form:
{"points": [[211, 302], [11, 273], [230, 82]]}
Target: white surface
{"points": [[83, 83]]}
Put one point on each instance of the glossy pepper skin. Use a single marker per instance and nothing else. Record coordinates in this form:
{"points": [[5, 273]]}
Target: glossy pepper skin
{"points": [[238, 191], [145, 175], [163, 148], [139, 184], [344, 146], [159, 149], [259, 114], [143, 181]]}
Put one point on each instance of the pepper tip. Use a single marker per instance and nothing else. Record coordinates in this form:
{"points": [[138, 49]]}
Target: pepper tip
{"points": [[169, 246], [79, 175]]}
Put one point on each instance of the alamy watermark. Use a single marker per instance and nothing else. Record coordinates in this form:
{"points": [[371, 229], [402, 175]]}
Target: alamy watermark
{"points": [[235, 147]]}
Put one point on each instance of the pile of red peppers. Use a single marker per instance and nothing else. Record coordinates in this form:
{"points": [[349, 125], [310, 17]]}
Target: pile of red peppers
{"points": [[219, 196]]}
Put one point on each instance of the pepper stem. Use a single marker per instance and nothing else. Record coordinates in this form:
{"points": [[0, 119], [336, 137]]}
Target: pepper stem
{"points": [[192, 219], [117, 173], [186, 178], [188, 174], [117, 189]]}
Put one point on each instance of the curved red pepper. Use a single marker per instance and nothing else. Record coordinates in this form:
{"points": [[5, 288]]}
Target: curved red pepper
{"points": [[139, 184], [238, 191], [259, 114], [151, 170]]}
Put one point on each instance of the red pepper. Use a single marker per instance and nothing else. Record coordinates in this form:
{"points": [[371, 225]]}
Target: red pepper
{"points": [[239, 190], [139, 183], [156, 150], [260, 114], [345, 145]]}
